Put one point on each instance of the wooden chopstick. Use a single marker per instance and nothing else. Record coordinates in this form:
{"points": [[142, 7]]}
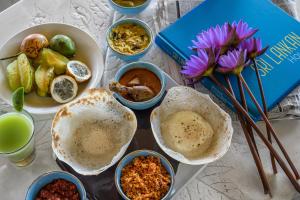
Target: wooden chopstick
{"points": [[9, 57], [262, 94], [244, 104], [178, 9], [250, 142]]}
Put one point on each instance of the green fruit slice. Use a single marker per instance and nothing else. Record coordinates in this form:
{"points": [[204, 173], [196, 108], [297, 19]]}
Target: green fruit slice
{"points": [[79, 71], [18, 99], [43, 79], [63, 44], [64, 89], [50, 58], [26, 72], [13, 76]]}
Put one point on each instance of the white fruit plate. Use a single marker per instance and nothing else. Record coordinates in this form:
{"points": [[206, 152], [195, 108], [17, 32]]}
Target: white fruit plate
{"points": [[87, 51]]}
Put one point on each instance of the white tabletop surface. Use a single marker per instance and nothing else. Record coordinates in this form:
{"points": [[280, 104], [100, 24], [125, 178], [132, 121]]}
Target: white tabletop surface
{"points": [[234, 177]]}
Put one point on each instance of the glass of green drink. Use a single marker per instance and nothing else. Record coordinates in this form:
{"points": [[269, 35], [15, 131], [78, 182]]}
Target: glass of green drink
{"points": [[17, 137]]}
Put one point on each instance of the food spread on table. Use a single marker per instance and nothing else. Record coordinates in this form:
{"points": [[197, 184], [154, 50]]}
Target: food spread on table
{"points": [[92, 133], [145, 178], [45, 67], [58, 189], [129, 38], [129, 3]]}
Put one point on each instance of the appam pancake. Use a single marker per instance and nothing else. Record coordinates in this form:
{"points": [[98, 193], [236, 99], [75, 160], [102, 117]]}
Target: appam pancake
{"points": [[187, 132], [92, 133]]}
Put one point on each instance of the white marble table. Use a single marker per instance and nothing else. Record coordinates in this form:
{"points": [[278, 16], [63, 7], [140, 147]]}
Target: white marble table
{"points": [[234, 177]]}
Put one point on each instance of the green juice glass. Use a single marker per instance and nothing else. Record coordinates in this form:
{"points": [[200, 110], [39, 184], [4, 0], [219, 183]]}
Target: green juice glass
{"points": [[17, 137]]}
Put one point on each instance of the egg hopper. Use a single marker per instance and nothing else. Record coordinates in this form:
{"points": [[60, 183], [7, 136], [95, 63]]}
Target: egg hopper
{"points": [[103, 186]]}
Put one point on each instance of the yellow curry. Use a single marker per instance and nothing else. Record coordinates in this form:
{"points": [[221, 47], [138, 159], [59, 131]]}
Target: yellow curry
{"points": [[129, 39]]}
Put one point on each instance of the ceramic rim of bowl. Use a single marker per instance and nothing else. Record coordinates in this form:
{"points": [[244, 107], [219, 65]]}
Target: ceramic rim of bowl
{"points": [[29, 116], [56, 172], [129, 7], [138, 22], [151, 153], [163, 82]]}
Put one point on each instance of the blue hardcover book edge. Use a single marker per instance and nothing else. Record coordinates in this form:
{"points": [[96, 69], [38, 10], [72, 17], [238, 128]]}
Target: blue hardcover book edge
{"points": [[176, 39]]}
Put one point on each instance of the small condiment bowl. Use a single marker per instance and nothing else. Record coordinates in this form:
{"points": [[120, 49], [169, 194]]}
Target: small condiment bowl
{"points": [[129, 158], [124, 56], [47, 178], [144, 104], [129, 10]]}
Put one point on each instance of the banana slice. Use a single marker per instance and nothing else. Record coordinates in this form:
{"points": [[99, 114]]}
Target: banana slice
{"points": [[64, 89]]}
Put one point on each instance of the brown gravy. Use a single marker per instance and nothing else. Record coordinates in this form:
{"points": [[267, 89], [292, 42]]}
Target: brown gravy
{"points": [[146, 78]]}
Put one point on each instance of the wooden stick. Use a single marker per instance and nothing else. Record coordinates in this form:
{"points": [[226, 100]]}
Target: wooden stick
{"points": [[262, 94], [258, 131], [253, 151], [6, 58], [270, 128], [244, 104]]}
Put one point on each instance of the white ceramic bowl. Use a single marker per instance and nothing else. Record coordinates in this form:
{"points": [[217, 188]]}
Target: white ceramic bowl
{"points": [[87, 51]]}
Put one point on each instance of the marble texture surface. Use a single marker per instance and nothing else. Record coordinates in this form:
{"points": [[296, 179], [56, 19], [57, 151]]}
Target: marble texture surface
{"points": [[234, 177]]}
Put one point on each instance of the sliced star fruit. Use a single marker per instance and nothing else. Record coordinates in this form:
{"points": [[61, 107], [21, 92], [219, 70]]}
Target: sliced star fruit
{"points": [[26, 73], [79, 71], [49, 58], [13, 77], [63, 89], [43, 79]]}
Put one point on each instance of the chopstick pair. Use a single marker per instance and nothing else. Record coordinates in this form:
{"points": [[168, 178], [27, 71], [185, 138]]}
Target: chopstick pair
{"points": [[243, 113]]}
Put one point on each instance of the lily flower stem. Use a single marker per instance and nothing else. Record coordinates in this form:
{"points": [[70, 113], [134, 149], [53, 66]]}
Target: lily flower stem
{"points": [[250, 142], [258, 131], [244, 104], [269, 126], [262, 94]]}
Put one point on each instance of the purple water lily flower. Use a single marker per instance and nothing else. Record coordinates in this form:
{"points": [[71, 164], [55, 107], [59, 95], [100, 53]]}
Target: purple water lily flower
{"points": [[253, 47], [233, 62], [243, 31], [219, 37], [200, 65]]}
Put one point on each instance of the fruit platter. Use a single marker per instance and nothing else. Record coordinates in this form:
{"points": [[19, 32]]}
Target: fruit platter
{"points": [[90, 116], [45, 53]]}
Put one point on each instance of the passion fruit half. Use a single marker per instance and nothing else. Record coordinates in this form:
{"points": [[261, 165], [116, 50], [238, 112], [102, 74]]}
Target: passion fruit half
{"points": [[79, 71], [63, 89]]}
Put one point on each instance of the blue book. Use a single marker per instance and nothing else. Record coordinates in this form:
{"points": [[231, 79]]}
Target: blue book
{"points": [[279, 67]]}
